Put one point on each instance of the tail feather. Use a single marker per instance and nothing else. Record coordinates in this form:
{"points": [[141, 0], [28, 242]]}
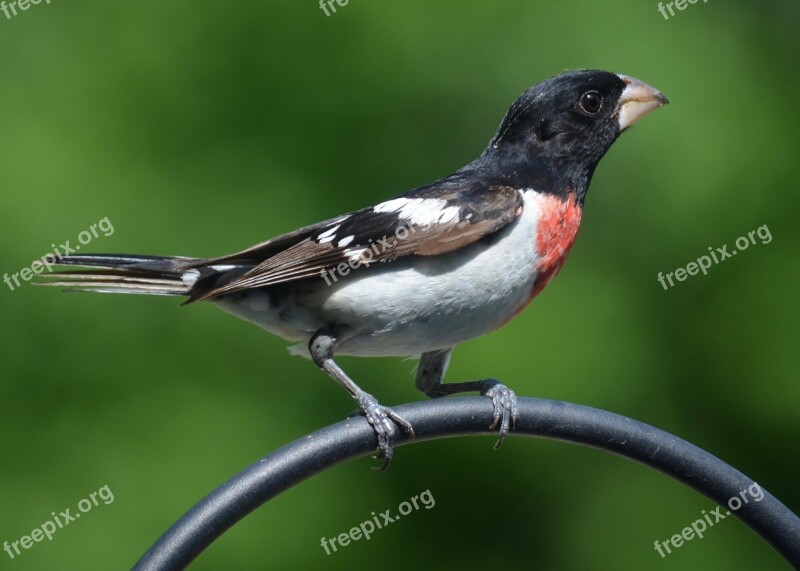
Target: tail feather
{"points": [[115, 260], [149, 275]]}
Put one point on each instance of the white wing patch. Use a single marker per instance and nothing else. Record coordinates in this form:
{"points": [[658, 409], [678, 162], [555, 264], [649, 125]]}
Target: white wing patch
{"points": [[345, 241], [328, 235], [189, 277], [420, 211]]}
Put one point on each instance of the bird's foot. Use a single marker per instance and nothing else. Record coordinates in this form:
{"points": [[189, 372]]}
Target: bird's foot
{"points": [[506, 407], [385, 423]]}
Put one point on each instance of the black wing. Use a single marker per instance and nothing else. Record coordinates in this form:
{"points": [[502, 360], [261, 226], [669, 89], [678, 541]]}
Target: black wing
{"points": [[431, 220]]}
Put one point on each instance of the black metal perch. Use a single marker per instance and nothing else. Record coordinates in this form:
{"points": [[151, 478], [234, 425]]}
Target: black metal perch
{"points": [[441, 418]]}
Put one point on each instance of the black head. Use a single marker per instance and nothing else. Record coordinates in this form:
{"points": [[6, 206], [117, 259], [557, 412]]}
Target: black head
{"points": [[561, 128]]}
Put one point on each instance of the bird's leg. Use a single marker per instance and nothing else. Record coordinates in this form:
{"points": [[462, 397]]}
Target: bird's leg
{"points": [[384, 421], [430, 374]]}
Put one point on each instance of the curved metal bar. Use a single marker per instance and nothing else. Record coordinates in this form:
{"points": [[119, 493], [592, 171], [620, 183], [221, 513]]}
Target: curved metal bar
{"points": [[463, 416]]}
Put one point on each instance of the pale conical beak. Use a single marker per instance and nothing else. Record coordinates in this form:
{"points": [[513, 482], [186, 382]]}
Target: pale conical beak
{"points": [[636, 101]]}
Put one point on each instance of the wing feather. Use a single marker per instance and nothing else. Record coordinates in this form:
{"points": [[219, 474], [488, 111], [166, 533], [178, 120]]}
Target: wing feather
{"points": [[429, 221]]}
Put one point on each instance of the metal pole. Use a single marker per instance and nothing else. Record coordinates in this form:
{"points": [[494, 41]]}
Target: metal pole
{"points": [[463, 416]]}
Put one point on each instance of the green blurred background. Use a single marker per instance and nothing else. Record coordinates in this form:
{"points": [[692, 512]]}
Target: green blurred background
{"points": [[199, 128]]}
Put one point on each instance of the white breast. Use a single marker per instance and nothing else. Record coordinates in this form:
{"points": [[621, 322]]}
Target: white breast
{"points": [[415, 305]]}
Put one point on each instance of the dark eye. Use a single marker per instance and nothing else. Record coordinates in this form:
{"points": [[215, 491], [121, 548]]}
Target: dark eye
{"points": [[590, 102]]}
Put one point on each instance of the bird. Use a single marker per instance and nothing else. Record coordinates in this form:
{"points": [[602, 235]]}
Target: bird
{"points": [[417, 274]]}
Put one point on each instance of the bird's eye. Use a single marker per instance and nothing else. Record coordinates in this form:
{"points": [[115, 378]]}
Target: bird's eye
{"points": [[590, 102]]}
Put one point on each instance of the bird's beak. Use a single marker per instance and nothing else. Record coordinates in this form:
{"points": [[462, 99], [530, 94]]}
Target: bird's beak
{"points": [[636, 101]]}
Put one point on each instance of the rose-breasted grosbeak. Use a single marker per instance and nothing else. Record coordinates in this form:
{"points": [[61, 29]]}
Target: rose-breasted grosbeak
{"points": [[419, 273]]}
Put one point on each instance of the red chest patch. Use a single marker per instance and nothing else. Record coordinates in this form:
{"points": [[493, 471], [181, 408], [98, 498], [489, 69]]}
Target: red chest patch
{"points": [[555, 234]]}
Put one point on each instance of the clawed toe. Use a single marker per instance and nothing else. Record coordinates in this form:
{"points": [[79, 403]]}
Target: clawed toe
{"points": [[386, 424], [506, 408]]}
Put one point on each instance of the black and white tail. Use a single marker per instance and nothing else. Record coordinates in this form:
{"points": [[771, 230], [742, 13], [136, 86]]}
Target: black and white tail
{"points": [[114, 273]]}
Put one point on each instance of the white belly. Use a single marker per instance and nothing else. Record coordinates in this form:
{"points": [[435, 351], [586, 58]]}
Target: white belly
{"points": [[412, 305]]}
